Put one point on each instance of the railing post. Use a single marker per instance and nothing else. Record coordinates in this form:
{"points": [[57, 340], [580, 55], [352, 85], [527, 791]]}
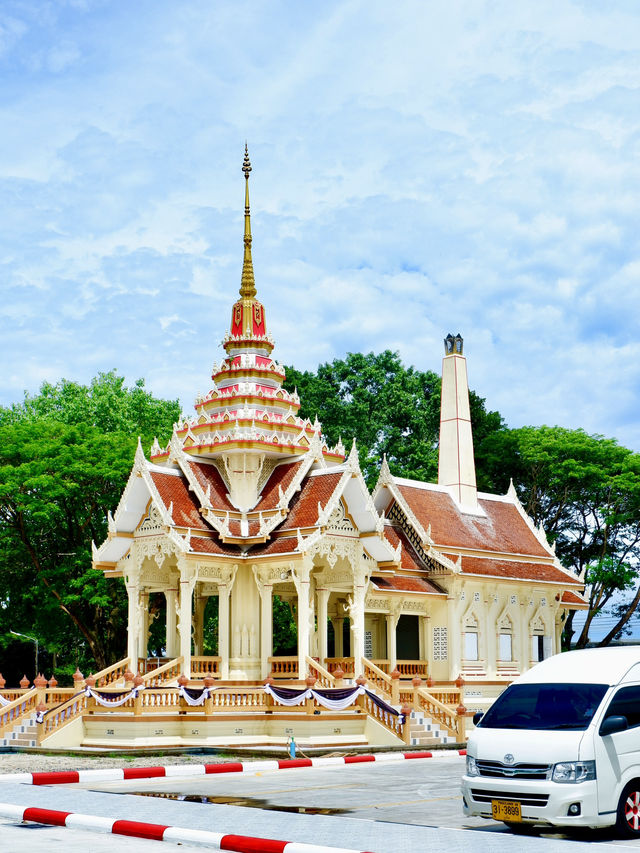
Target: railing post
{"points": [[208, 703], [310, 681], [361, 681], [90, 682], [406, 729], [2, 682], [24, 682], [40, 683], [338, 674], [416, 682], [269, 681], [78, 681], [460, 686], [182, 682], [395, 686], [128, 679], [138, 681], [461, 723]]}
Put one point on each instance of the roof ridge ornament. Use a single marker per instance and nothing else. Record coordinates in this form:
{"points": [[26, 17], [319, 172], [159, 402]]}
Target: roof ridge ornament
{"points": [[247, 282]]}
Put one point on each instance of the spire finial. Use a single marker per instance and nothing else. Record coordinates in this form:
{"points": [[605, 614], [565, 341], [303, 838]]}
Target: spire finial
{"points": [[247, 282]]}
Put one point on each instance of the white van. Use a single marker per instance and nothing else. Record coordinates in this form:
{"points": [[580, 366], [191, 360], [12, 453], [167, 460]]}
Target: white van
{"points": [[561, 745]]}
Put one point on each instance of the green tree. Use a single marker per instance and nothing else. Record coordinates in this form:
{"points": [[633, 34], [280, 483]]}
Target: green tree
{"points": [[65, 455], [387, 407], [585, 491]]}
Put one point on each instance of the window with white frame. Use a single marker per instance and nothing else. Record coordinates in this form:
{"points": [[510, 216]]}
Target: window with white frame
{"points": [[471, 645], [541, 647], [505, 647]]}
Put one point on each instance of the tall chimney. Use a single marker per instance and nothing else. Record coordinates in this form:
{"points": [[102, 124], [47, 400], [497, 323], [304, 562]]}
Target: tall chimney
{"points": [[456, 466]]}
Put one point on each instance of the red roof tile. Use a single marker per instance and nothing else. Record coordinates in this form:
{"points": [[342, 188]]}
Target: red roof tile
{"points": [[174, 489], [517, 569], [281, 476], [569, 597], [503, 529], [208, 475], [398, 583], [286, 545], [211, 546], [303, 509], [408, 559], [235, 528]]}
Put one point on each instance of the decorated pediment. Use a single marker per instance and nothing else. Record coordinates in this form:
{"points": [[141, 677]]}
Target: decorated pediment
{"points": [[505, 623], [471, 620], [339, 523], [151, 524]]}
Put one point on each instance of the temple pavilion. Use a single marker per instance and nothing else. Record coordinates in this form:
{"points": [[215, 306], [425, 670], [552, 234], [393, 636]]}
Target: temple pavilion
{"points": [[248, 501]]}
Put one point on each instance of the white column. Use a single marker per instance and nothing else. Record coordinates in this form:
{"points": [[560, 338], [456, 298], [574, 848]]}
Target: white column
{"points": [[338, 627], [425, 650], [323, 601], [356, 612], [184, 629], [301, 580], [266, 627], [133, 624], [455, 636], [171, 596], [492, 635], [198, 624], [143, 635], [392, 648], [223, 629]]}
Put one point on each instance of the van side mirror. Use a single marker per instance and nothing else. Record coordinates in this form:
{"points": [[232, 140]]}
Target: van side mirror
{"points": [[613, 724], [477, 717]]}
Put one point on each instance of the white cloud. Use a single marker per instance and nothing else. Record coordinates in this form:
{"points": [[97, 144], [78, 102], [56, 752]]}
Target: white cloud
{"points": [[418, 169]]}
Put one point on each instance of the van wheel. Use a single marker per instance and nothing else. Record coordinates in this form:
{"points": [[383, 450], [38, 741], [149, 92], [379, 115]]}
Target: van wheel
{"points": [[628, 820]]}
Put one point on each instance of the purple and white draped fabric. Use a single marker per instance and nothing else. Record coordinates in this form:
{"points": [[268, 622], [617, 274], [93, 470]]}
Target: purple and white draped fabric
{"points": [[194, 697], [287, 696], [113, 700], [4, 701], [334, 699]]}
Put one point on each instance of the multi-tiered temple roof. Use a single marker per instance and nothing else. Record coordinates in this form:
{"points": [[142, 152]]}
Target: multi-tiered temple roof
{"points": [[248, 410]]}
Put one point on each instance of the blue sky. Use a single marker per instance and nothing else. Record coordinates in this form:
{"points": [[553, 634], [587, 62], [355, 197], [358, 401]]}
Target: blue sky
{"points": [[419, 168]]}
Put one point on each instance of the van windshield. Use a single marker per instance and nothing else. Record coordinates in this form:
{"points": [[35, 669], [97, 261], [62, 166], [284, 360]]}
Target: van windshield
{"points": [[544, 706]]}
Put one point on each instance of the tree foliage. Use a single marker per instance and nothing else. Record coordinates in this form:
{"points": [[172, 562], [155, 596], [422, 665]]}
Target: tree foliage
{"points": [[65, 455], [585, 491], [388, 408]]}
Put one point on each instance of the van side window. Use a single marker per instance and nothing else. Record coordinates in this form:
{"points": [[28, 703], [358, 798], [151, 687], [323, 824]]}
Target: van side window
{"points": [[626, 703]]}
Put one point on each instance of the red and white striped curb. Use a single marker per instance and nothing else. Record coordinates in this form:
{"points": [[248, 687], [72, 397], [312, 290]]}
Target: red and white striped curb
{"points": [[159, 832], [67, 777]]}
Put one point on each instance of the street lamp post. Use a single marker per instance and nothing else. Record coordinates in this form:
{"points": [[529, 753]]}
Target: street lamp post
{"points": [[33, 640]]}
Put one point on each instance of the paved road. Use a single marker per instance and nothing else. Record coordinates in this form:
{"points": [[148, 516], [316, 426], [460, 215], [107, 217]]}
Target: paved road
{"points": [[400, 807]]}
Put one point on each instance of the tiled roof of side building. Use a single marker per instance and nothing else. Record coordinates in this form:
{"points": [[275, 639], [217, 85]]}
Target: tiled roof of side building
{"points": [[281, 476], [208, 475], [303, 509], [516, 569], [174, 490], [503, 529], [570, 597], [399, 583]]}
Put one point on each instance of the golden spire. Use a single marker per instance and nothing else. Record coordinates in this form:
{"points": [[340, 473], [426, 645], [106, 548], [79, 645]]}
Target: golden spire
{"points": [[247, 282]]}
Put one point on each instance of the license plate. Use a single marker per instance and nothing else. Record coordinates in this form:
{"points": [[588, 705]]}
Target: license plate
{"points": [[508, 810]]}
